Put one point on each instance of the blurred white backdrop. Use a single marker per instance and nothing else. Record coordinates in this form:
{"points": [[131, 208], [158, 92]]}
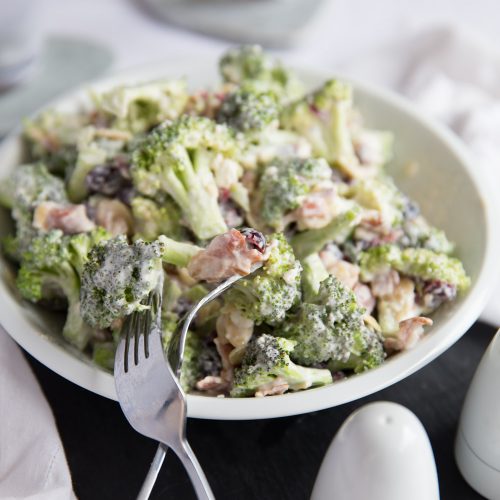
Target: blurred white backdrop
{"points": [[340, 31]]}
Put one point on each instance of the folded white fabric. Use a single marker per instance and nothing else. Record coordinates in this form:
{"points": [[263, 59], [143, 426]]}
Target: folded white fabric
{"points": [[32, 460], [454, 76]]}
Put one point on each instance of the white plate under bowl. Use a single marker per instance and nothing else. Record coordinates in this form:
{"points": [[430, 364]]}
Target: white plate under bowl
{"points": [[446, 184]]}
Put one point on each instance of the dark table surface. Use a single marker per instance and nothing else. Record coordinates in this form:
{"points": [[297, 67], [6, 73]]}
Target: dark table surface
{"points": [[263, 459]]}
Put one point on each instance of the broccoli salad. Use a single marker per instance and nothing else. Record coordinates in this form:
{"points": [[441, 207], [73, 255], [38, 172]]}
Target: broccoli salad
{"points": [[157, 185]]}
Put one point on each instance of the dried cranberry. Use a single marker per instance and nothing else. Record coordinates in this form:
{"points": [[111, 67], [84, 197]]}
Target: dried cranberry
{"points": [[224, 195], [431, 294], [255, 239], [337, 376], [104, 179], [441, 289], [410, 210], [126, 195], [182, 306], [109, 179]]}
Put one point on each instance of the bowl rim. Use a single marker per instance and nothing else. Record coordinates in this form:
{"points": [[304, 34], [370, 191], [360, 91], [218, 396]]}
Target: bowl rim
{"points": [[90, 377]]}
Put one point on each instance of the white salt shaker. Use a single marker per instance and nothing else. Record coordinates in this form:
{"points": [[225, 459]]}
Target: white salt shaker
{"points": [[477, 446], [381, 452]]}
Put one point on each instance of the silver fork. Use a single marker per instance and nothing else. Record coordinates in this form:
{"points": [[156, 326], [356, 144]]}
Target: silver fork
{"points": [[148, 391]]}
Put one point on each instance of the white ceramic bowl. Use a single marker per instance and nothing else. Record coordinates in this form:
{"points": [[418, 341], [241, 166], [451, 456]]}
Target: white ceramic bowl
{"points": [[447, 185]]}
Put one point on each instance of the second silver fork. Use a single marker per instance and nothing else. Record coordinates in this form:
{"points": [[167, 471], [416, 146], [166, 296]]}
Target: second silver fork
{"points": [[175, 356]]}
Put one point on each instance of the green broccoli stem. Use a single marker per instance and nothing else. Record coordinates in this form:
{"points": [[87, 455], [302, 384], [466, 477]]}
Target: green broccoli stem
{"points": [[339, 136], [313, 273], [77, 190], [191, 184], [301, 377], [90, 155], [7, 194], [337, 231], [104, 355], [75, 330], [176, 252]]}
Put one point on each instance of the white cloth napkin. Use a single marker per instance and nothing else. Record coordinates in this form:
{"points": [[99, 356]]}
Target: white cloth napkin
{"points": [[454, 76], [32, 460]]}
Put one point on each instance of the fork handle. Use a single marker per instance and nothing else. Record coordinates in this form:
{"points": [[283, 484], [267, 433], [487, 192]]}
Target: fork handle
{"points": [[154, 470], [191, 464], [194, 470]]}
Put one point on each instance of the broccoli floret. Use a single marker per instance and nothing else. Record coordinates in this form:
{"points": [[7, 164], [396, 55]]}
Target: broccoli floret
{"points": [[172, 291], [200, 360], [152, 219], [117, 278], [337, 231], [249, 111], [176, 160], [382, 195], [81, 244], [103, 355], [330, 328], [428, 265], [283, 185], [419, 233], [378, 260], [54, 262], [51, 138], [266, 360], [27, 187], [374, 148], [248, 64], [322, 117], [195, 293], [94, 148], [367, 352], [435, 239], [416, 262], [267, 294], [191, 370], [137, 108], [271, 143], [313, 273], [200, 354], [169, 322]]}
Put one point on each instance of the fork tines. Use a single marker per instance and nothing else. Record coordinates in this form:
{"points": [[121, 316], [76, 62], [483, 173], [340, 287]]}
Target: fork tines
{"points": [[140, 323]]}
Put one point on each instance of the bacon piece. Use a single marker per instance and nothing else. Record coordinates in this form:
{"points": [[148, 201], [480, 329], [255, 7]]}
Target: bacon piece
{"points": [[373, 232], [225, 256], [113, 134], [70, 219], [434, 293], [224, 349], [278, 386], [409, 333], [233, 327], [317, 209], [364, 297], [384, 284], [114, 216], [212, 383], [345, 272]]}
